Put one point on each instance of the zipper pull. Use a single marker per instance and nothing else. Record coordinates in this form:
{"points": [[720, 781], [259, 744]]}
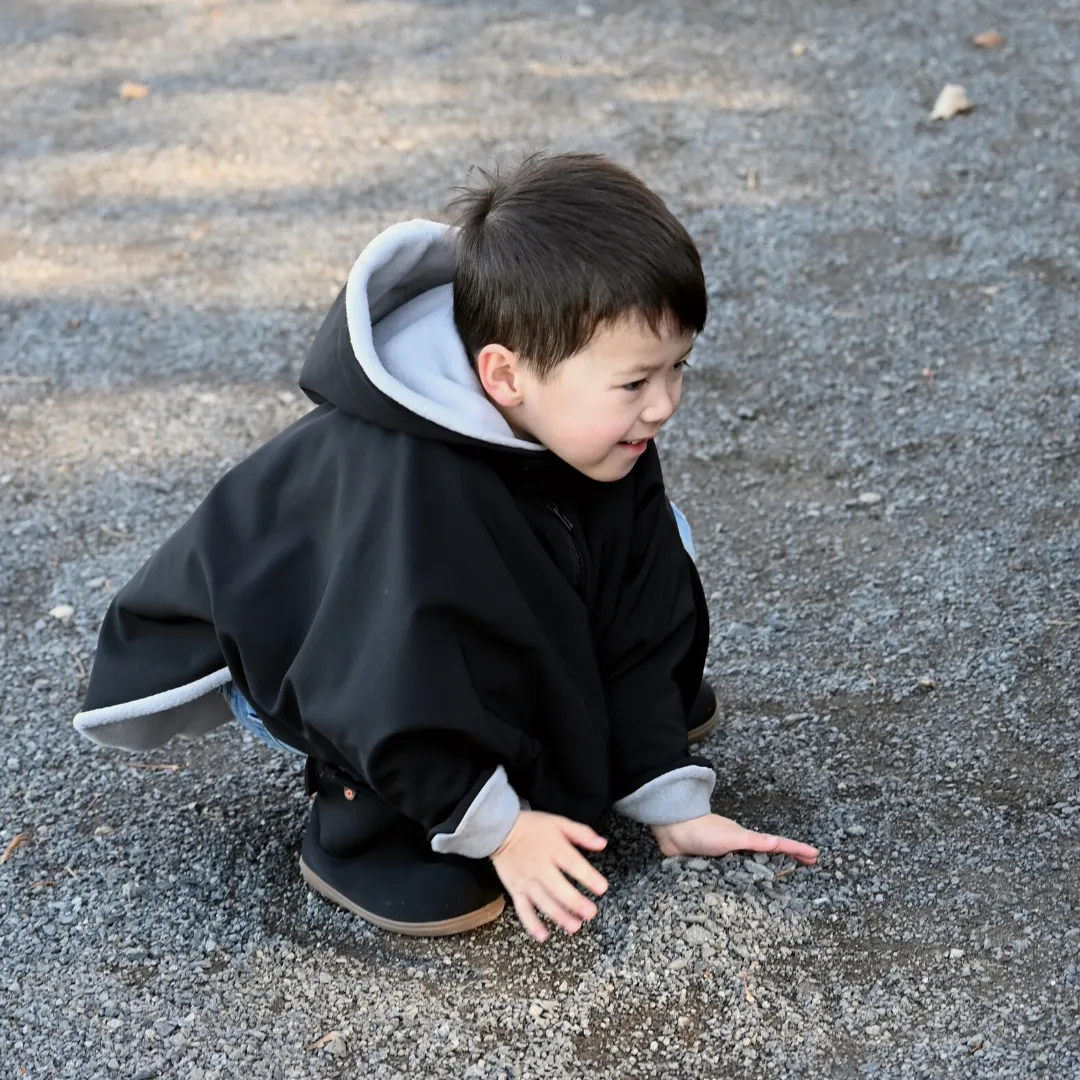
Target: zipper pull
{"points": [[566, 522]]}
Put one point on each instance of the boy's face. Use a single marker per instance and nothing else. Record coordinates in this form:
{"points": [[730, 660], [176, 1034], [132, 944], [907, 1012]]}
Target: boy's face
{"points": [[599, 407]]}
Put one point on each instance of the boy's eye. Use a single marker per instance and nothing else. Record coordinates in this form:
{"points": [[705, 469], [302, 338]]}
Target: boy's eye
{"points": [[639, 383]]}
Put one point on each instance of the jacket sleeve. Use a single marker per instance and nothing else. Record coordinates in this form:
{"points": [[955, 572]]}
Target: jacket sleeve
{"points": [[352, 591], [387, 681], [400, 710], [652, 652]]}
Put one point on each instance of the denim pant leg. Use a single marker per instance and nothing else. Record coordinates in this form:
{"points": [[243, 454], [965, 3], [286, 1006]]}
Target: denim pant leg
{"points": [[243, 710], [684, 531]]}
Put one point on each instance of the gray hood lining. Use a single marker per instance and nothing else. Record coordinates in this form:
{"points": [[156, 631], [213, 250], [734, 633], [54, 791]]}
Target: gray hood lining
{"points": [[399, 266]]}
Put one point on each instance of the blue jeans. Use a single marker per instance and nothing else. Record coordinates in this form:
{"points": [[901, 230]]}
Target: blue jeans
{"points": [[243, 710], [685, 535]]}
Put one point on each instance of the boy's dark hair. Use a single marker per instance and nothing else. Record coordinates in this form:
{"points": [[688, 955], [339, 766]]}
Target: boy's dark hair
{"points": [[562, 245]]}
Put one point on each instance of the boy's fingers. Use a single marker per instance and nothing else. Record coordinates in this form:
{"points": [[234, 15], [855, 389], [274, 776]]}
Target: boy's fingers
{"points": [[781, 845], [564, 894], [533, 926], [557, 911], [581, 870], [803, 853], [582, 835]]}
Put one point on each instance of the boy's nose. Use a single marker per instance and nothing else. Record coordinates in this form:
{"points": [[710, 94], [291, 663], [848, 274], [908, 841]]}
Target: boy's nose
{"points": [[659, 409]]}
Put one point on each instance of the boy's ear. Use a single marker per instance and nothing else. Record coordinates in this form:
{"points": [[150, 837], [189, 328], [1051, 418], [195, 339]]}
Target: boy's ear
{"points": [[500, 375]]}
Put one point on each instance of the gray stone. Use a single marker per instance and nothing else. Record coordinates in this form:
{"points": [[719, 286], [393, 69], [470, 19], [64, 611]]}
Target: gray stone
{"points": [[696, 935]]}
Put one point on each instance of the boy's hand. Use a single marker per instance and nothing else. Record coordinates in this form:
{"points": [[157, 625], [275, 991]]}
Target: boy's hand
{"points": [[715, 835], [533, 863]]}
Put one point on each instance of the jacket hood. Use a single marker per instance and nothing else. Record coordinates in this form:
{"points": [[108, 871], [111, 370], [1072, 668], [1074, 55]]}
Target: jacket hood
{"points": [[389, 352]]}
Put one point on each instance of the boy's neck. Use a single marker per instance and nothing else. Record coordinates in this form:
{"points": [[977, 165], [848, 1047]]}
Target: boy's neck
{"points": [[511, 416]]}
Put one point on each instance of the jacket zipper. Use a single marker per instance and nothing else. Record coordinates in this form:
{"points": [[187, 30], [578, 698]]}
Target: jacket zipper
{"points": [[579, 562]]}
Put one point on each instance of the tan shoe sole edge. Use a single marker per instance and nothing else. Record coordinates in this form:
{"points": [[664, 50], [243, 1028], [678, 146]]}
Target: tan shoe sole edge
{"points": [[702, 730], [444, 928]]}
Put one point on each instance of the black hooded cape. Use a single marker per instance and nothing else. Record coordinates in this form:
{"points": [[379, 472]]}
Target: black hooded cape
{"points": [[414, 604]]}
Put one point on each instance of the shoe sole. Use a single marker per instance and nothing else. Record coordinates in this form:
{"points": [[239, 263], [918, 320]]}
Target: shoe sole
{"points": [[461, 924], [703, 730]]}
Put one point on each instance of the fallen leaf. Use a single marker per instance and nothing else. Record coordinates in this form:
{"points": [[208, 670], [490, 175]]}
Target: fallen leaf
{"points": [[62, 612], [200, 230], [952, 101], [17, 841], [318, 1044], [751, 179], [799, 49], [133, 91], [155, 767], [989, 39], [927, 684]]}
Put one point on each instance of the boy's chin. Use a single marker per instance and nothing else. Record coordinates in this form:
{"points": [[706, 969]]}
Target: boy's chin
{"points": [[608, 471]]}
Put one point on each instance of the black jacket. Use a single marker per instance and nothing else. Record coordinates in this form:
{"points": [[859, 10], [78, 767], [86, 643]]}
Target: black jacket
{"points": [[419, 605]]}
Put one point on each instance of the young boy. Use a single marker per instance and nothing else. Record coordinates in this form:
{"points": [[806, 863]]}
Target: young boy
{"points": [[457, 584]]}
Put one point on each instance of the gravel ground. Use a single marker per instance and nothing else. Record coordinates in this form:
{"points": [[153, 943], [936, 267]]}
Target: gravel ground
{"points": [[879, 452]]}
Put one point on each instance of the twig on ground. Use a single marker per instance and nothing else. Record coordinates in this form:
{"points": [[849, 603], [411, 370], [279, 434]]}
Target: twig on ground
{"points": [[318, 1044], [155, 767], [17, 841]]}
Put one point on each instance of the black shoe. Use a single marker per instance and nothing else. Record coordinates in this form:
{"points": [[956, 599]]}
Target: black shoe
{"points": [[362, 856], [704, 714]]}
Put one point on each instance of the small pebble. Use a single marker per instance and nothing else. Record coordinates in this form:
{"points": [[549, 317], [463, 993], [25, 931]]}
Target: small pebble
{"points": [[696, 935]]}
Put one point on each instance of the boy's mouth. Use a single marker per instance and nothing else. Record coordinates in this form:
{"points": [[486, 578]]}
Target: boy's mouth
{"points": [[635, 445]]}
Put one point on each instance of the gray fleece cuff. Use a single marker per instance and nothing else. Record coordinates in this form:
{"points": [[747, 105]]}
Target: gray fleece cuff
{"points": [[486, 823], [672, 797]]}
